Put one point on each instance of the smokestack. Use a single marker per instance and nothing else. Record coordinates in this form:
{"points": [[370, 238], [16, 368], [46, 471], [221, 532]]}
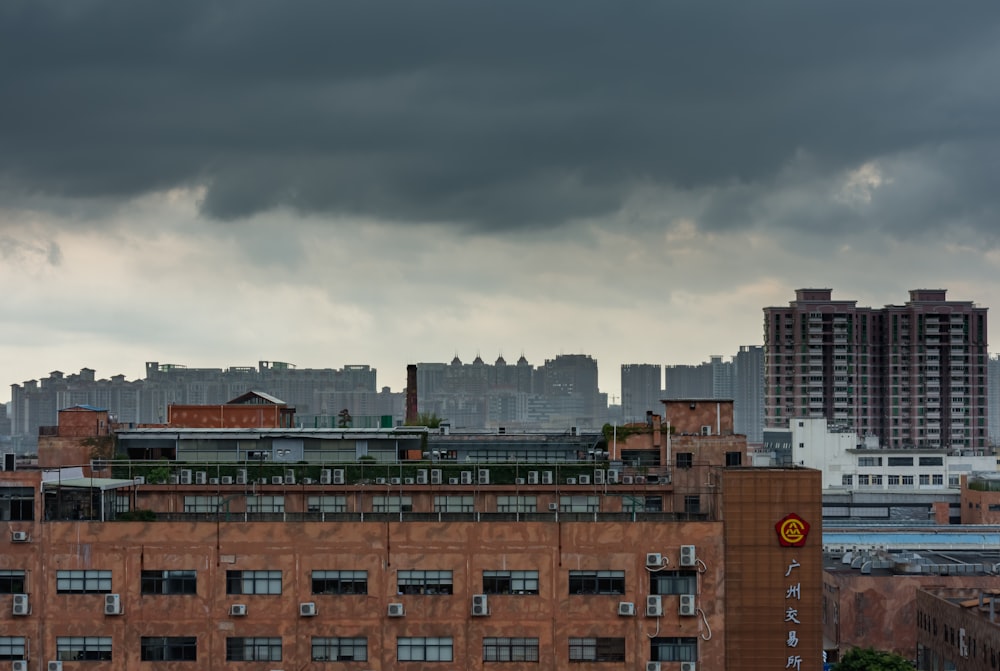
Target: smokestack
{"points": [[411, 394]]}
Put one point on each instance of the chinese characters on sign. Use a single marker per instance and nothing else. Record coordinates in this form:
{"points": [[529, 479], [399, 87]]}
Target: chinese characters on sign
{"points": [[792, 532]]}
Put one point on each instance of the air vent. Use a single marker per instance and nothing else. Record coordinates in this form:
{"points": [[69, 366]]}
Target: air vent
{"points": [[654, 559], [626, 479], [422, 476], [436, 476], [686, 606], [599, 476], [21, 605], [112, 604], [139, 480], [520, 481], [307, 609], [307, 481], [452, 481], [213, 481], [185, 476], [241, 476], [626, 608], [238, 610], [396, 610], [689, 556], [480, 605], [277, 480], [547, 478], [484, 476], [200, 477], [570, 481], [466, 477], [289, 477], [532, 477], [395, 481], [654, 605], [613, 477], [381, 481]]}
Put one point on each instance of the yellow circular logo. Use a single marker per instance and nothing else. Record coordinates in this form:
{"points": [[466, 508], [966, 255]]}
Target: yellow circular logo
{"points": [[792, 531]]}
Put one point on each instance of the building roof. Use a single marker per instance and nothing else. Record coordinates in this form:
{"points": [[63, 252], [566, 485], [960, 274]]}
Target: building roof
{"points": [[242, 399], [88, 483]]}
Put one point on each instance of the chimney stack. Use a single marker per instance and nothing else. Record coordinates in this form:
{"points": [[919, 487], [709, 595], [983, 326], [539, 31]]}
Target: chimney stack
{"points": [[411, 394]]}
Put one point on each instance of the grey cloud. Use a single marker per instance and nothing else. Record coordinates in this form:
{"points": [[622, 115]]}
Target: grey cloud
{"points": [[496, 116]]}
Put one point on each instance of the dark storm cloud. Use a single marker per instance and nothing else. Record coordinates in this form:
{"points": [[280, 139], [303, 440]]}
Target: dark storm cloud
{"points": [[490, 114]]}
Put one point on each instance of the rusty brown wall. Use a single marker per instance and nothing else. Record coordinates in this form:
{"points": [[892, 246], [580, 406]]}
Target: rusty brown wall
{"points": [[688, 416], [224, 416], [757, 587]]}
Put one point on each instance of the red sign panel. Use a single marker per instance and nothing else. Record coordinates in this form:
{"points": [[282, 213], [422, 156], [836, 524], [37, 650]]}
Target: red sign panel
{"points": [[792, 531]]}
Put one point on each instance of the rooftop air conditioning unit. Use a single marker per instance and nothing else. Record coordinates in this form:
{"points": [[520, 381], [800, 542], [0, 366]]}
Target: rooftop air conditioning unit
{"points": [[396, 610], [689, 557], [532, 477], [172, 479], [54, 666], [200, 477], [19, 536], [238, 610], [570, 481], [19, 665], [338, 476], [139, 480], [520, 481], [599, 476], [277, 480], [480, 605], [706, 430], [654, 559], [466, 477], [263, 481], [584, 479], [639, 479], [185, 476], [226, 479], [21, 605], [547, 478], [213, 481], [409, 481], [654, 605], [626, 608], [689, 666], [325, 476], [421, 476], [380, 481], [307, 481], [436, 476], [687, 606], [395, 481], [307, 609], [553, 506], [652, 666], [112, 604], [484, 476], [241, 476], [613, 477], [289, 477], [452, 481], [626, 479]]}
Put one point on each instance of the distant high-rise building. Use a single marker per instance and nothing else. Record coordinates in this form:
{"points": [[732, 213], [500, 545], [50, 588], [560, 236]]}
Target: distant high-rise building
{"points": [[685, 381], [914, 374], [748, 392], [642, 390], [993, 396]]}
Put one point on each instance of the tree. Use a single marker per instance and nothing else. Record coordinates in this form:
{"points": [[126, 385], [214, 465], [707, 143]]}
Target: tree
{"points": [[344, 419], [870, 659], [428, 419]]}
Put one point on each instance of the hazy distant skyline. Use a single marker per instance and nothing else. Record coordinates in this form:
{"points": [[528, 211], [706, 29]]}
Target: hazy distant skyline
{"points": [[216, 183]]}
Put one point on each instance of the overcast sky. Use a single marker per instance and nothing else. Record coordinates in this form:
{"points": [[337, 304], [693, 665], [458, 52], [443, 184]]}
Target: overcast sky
{"points": [[327, 183]]}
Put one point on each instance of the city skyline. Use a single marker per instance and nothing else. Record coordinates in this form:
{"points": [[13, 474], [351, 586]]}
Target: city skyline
{"points": [[211, 184]]}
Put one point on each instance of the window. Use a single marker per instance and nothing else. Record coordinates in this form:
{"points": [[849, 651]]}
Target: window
{"points": [[83, 582], [907, 480], [327, 504], [847, 480], [674, 649], [169, 649], [253, 582], [424, 582], [265, 504], [253, 649], [340, 582], [454, 504], [123, 503], [692, 504], [202, 504], [510, 582], [597, 582], [13, 647], [424, 648], [734, 458], [863, 480], [869, 461], [83, 648], [392, 504], [673, 582], [685, 459], [597, 649], [516, 504], [932, 461], [893, 480], [339, 649], [503, 649], [900, 461], [877, 480], [937, 479], [169, 582], [579, 504], [17, 503], [925, 479], [12, 582]]}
